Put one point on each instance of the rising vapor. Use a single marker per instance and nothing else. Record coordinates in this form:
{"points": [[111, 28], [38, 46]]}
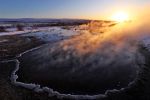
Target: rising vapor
{"points": [[102, 59]]}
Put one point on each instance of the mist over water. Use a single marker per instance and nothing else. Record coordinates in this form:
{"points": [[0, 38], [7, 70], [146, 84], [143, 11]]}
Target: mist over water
{"points": [[90, 63]]}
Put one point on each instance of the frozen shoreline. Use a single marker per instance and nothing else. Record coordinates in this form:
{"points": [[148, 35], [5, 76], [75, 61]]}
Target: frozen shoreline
{"points": [[37, 88]]}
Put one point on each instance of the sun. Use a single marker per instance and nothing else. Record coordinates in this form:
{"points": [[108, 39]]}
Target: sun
{"points": [[120, 17]]}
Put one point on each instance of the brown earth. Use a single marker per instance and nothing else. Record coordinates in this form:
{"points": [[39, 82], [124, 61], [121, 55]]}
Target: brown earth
{"points": [[12, 45]]}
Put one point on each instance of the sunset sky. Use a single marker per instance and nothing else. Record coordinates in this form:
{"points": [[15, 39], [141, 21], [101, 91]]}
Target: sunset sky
{"points": [[89, 9]]}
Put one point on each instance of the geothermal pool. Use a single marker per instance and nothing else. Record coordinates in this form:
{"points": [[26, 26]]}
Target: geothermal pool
{"points": [[68, 73]]}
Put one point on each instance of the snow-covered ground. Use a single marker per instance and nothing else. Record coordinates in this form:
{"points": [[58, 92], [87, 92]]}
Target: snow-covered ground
{"points": [[13, 31], [45, 33], [53, 34], [3, 40], [16, 32]]}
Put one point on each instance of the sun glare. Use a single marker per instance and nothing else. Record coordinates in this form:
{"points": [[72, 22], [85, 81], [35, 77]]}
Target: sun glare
{"points": [[120, 17]]}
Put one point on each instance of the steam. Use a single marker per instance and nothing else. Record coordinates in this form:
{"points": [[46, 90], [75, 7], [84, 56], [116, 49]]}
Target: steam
{"points": [[118, 45], [121, 40], [99, 51]]}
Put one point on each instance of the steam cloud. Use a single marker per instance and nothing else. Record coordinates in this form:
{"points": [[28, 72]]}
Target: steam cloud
{"points": [[100, 56]]}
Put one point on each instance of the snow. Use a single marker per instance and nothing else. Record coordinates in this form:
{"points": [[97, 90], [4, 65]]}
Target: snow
{"points": [[45, 33], [14, 33], [4, 40], [11, 33], [53, 34], [56, 33], [11, 29]]}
